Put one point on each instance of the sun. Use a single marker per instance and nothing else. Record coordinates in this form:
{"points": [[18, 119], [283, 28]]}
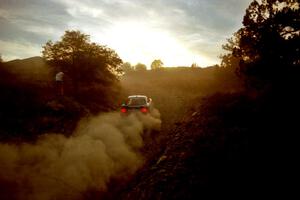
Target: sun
{"points": [[136, 42]]}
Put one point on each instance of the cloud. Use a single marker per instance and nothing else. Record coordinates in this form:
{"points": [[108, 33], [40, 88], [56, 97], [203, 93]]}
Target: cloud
{"points": [[11, 50], [200, 26], [31, 20]]}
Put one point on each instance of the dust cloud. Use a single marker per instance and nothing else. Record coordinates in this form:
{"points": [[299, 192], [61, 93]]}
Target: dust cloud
{"points": [[58, 167]]}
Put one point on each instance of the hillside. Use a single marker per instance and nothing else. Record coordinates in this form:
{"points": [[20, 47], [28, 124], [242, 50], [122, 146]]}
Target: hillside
{"points": [[226, 141], [31, 82], [30, 69], [231, 145], [214, 136], [207, 155], [30, 108], [174, 89]]}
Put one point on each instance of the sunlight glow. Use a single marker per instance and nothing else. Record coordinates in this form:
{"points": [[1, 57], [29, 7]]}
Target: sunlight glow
{"points": [[15, 50], [136, 42]]}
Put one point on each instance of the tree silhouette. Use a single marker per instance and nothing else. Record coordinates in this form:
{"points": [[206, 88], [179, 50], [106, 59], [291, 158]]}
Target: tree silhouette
{"points": [[194, 65], [267, 45], [127, 67], [140, 67], [156, 64], [2, 71], [230, 60], [84, 62]]}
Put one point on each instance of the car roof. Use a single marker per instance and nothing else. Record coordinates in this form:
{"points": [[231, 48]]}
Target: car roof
{"points": [[137, 96]]}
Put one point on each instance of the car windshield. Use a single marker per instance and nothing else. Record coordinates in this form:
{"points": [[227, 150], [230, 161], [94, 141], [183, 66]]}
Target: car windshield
{"points": [[136, 101]]}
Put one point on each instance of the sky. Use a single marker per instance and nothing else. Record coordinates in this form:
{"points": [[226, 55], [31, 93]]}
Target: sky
{"points": [[178, 32]]}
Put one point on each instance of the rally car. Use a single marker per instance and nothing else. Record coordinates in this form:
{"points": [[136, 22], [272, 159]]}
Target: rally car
{"points": [[137, 103]]}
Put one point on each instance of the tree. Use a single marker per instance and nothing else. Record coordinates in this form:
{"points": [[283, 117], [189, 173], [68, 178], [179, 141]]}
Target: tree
{"points": [[267, 45], [1, 63], [194, 65], [84, 62], [140, 67], [230, 60], [156, 64], [127, 67]]}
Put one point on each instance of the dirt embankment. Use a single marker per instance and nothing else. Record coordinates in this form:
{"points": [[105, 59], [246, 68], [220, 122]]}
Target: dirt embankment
{"points": [[203, 153], [229, 145]]}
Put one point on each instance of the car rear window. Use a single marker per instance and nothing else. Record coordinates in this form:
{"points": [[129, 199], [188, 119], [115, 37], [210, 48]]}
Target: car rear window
{"points": [[136, 101]]}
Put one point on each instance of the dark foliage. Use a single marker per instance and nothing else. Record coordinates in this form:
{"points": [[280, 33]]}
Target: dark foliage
{"points": [[29, 108], [30, 103], [91, 70], [267, 46]]}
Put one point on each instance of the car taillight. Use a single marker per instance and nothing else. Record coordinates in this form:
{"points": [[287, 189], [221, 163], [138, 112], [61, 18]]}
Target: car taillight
{"points": [[123, 110], [144, 110]]}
